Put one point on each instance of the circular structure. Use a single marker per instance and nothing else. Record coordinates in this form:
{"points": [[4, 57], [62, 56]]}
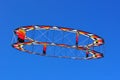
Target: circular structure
{"points": [[25, 40]]}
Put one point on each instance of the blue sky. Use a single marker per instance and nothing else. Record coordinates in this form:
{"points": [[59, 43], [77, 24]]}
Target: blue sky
{"points": [[96, 16]]}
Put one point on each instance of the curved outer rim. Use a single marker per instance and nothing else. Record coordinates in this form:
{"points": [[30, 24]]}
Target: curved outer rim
{"points": [[97, 41]]}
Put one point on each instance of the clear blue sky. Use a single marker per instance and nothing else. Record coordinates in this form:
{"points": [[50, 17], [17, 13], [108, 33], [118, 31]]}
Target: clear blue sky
{"points": [[97, 16]]}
